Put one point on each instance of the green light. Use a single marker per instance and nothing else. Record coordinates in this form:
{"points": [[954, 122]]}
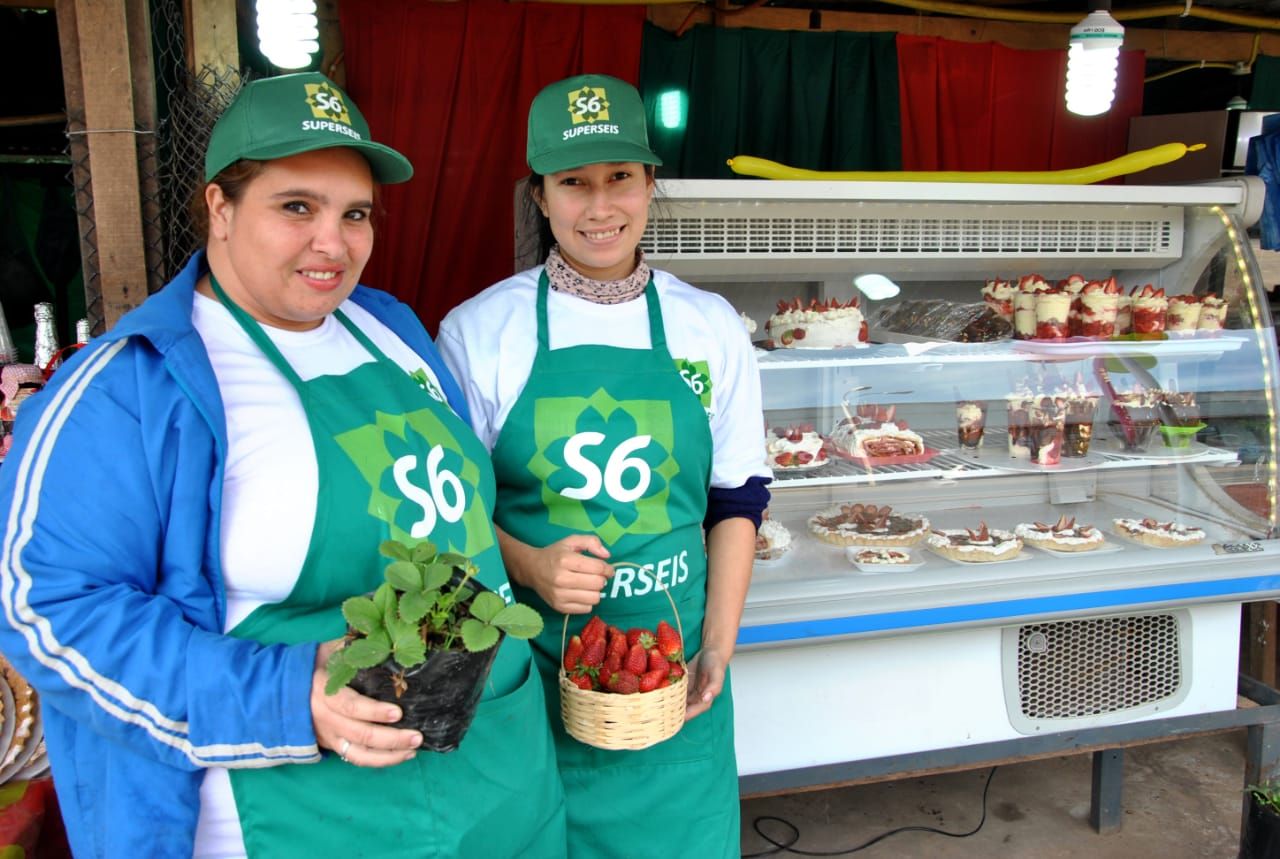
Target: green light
{"points": [[671, 109]]}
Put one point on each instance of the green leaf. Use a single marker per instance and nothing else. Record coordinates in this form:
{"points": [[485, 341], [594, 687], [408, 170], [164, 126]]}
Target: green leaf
{"points": [[384, 599], [463, 594], [393, 549], [398, 629], [486, 606], [340, 674], [410, 650], [436, 576], [477, 635], [519, 621], [362, 614], [414, 606], [366, 652], [453, 559], [424, 553], [404, 576]]}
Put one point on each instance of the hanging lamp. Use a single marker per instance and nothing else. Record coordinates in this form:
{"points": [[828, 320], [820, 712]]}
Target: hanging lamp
{"points": [[1093, 54]]}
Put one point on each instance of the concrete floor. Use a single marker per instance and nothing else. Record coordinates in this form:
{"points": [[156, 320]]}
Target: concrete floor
{"points": [[1181, 798]]}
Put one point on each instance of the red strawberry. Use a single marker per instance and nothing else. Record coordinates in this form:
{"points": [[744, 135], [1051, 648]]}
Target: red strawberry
{"points": [[642, 637], [581, 681], [798, 333], [784, 458], [593, 654], [650, 679], [676, 671], [573, 653], [788, 338], [617, 646], [611, 665], [656, 659], [637, 660], [623, 683], [665, 681], [669, 642], [803, 458], [594, 630]]}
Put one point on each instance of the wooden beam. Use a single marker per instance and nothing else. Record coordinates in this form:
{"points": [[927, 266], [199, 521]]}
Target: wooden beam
{"points": [[1174, 45], [106, 76], [146, 119], [78, 150], [211, 37]]}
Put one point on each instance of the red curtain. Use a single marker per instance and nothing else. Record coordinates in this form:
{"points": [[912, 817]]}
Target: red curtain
{"points": [[449, 85], [982, 106]]}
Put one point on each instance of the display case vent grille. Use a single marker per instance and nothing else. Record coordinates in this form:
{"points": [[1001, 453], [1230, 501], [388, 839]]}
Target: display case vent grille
{"points": [[876, 235], [1097, 670]]}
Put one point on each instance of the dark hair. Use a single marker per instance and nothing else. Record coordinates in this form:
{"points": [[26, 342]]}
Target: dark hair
{"points": [[233, 181], [536, 242]]}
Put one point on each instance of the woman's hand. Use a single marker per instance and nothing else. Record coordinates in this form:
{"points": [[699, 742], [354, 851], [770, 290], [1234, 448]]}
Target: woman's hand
{"points": [[706, 679], [355, 727], [565, 578]]}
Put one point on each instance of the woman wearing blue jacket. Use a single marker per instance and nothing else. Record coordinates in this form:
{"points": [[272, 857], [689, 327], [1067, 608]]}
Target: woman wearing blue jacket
{"points": [[194, 494]]}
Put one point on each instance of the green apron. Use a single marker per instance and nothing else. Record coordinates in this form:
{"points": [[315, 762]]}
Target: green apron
{"points": [[498, 794], [613, 442]]}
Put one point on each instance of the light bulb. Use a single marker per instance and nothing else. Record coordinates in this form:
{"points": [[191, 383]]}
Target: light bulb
{"points": [[1092, 58], [876, 287], [671, 109], [288, 32]]}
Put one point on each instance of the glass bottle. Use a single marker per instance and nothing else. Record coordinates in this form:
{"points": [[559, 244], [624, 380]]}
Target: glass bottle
{"points": [[46, 337], [82, 332]]}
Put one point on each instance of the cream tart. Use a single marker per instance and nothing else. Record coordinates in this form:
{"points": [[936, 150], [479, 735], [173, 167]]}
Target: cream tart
{"points": [[867, 525], [1062, 536], [773, 540], [975, 547], [882, 556], [1165, 535]]}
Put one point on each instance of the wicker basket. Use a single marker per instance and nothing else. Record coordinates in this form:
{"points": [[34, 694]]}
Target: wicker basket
{"points": [[610, 721]]}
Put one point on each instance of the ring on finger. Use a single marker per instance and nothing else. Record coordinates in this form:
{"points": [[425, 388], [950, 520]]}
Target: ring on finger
{"points": [[342, 750]]}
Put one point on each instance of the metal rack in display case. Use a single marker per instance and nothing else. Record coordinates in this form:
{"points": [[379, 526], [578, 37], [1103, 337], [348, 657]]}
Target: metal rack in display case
{"points": [[844, 675]]}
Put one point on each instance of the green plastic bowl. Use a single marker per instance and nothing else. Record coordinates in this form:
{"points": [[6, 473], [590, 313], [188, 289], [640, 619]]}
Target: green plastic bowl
{"points": [[1179, 437]]}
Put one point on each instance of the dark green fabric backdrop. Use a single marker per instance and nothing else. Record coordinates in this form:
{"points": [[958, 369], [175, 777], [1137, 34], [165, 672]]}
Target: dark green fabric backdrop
{"points": [[1266, 84], [824, 101]]}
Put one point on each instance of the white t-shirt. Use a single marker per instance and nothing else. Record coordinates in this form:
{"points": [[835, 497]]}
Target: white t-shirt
{"points": [[271, 481], [490, 340]]}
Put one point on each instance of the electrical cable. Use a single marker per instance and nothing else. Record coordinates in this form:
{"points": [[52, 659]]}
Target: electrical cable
{"points": [[788, 846]]}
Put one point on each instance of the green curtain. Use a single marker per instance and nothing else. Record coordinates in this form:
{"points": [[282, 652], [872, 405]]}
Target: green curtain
{"points": [[1266, 84], [823, 101]]}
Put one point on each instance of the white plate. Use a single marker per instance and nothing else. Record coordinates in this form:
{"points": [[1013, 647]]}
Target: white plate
{"points": [[999, 458], [914, 562], [768, 563], [1021, 556], [1105, 549], [794, 469], [1157, 449]]}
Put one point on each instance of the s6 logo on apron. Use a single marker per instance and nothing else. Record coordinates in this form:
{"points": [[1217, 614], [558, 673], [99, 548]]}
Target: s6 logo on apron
{"points": [[417, 496], [697, 375], [605, 465]]}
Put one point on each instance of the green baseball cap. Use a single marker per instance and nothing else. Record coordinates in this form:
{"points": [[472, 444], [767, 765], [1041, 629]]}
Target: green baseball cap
{"points": [[286, 115], [588, 119]]}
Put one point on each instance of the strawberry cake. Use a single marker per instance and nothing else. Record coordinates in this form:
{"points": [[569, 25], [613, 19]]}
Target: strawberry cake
{"points": [[820, 325], [874, 433], [1062, 536], [1213, 313], [1150, 309], [1165, 535], [795, 448], [979, 546], [773, 540], [867, 525]]}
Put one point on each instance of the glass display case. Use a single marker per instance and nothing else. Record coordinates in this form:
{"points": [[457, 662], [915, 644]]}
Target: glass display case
{"points": [[1080, 514]]}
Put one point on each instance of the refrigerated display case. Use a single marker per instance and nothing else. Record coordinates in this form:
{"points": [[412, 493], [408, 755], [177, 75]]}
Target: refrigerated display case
{"points": [[839, 663]]}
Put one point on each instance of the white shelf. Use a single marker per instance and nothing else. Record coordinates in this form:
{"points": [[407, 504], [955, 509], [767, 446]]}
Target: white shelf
{"points": [[916, 350], [953, 464]]}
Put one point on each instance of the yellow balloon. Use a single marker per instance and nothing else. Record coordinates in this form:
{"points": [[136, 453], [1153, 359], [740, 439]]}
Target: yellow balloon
{"points": [[749, 165]]}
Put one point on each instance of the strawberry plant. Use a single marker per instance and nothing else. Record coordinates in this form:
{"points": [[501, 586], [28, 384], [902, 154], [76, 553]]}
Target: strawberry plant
{"points": [[429, 602]]}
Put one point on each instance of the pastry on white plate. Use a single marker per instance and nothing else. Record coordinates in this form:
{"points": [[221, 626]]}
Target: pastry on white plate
{"points": [[1165, 535], [975, 546], [1062, 536]]}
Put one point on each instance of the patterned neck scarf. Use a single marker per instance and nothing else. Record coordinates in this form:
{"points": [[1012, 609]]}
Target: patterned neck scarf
{"points": [[565, 278]]}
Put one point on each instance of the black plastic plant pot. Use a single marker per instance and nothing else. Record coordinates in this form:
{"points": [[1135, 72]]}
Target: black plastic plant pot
{"points": [[1261, 836], [441, 695]]}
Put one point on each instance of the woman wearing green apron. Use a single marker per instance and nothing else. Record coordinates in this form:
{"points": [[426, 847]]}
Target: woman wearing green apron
{"points": [[258, 428], [622, 408]]}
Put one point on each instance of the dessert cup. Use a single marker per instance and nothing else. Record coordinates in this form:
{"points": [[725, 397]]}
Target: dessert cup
{"points": [[1133, 421], [1024, 316], [971, 422], [1052, 316], [1078, 425]]}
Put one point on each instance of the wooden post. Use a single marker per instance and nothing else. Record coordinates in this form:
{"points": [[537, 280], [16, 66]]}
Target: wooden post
{"points": [[105, 84], [211, 36]]}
